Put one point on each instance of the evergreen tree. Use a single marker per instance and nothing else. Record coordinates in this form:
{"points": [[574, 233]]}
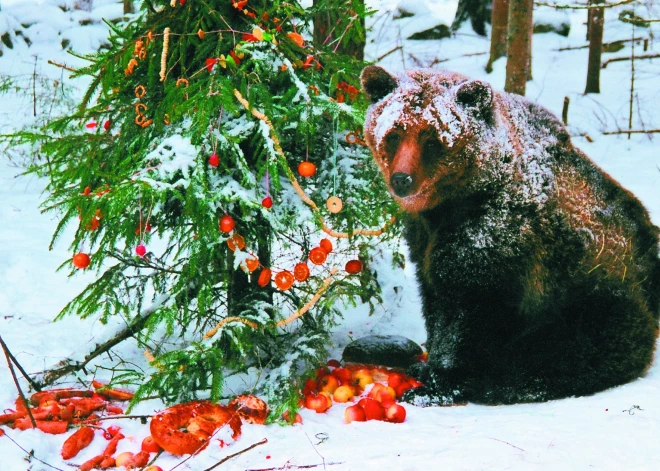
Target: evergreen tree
{"points": [[177, 169]]}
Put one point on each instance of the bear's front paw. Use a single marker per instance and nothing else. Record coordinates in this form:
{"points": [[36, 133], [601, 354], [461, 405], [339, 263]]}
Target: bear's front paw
{"points": [[425, 396], [437, 388]]}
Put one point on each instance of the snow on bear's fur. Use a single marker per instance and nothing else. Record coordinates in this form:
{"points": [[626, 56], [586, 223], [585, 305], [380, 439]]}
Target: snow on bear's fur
{"points": [[539, 274]]}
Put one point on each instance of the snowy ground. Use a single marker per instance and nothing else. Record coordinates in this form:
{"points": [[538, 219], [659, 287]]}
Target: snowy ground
{"points": [[604, 431]]}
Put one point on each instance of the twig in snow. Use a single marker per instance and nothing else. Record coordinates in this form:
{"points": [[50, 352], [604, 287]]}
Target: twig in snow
{"points": [[514, 446], [388, 53], [294, 466], [18, 386], [34, 385], [31, 453], [632, 131], [317, 452], [619, 59], [228, 457]]}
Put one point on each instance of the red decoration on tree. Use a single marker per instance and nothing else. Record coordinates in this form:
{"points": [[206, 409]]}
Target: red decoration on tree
{"points": [[308, 62], [214, 160], [296, 38], [107, 125], [182, 2], [227, 223], [251, 263], [141, 250], [264, 277], [284, 280], [318, 256], [237, 59], [81, 260], [236, 241], [306, 169], [326, 245], [301, 271], [210, 63], [353, 267], [267, 202]]}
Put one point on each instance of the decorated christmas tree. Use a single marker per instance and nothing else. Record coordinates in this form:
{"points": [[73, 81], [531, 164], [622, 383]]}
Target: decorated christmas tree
{"points": [[221, 190]]}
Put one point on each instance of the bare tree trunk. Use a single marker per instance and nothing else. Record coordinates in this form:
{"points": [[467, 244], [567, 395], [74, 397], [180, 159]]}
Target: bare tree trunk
{"points": [[129, 7], [85, 5], [518, 58], [327, 29], [597, 20], [500, 20]]}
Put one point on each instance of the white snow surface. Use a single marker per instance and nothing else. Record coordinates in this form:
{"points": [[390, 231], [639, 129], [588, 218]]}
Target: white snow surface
{"points": [[605, 431]]}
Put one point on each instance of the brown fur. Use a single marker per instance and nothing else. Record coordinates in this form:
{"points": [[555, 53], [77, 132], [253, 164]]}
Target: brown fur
{"points": [[539, 274]]}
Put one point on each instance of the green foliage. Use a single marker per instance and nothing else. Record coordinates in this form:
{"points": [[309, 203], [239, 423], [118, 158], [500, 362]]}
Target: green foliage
{"points": [[152, 184]]}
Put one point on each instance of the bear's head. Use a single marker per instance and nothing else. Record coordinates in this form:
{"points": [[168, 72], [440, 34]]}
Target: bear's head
{"points": [[425, 130]]}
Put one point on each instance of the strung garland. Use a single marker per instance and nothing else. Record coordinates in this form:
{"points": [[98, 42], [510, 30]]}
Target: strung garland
{"points": [[296, 315], [296, 186]]}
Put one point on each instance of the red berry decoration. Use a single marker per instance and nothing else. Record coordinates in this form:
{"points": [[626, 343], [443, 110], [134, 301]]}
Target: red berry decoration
{"points": [[236, 241], [264, 277], [318, 256], [106, 125], [81, 260], [301, 271], [214, 160], [227, 223], [306, 169], [326, 245], [284, 280], [267, 202], [141, 250], [353, 267], [210, 63], [251, 263]]}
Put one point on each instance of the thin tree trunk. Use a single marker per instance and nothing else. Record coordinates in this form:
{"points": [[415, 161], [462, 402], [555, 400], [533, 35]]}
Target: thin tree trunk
{"points": [[500, 20], [597, 18], [518, 58], [128, 7], [328, 29]]}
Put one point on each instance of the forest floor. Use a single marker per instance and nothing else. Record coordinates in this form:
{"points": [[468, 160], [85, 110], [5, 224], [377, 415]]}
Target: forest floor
{"points": [[612, 430]]}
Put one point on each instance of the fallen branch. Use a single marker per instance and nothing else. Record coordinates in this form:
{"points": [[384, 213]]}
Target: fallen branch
{"points": [[294, 466], [18, 386], [34, 385], [70, 366], [632, 131], [227, 458], [594, 6], [391, 51], [605, 45], [620, 59]]}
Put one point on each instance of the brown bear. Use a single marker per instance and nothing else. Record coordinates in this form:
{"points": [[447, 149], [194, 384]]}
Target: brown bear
{"points": [[539, 274]]}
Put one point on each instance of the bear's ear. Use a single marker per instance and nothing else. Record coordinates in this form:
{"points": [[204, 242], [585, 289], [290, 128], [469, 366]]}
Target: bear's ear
{"points": [[476, 94], [377, 82]]}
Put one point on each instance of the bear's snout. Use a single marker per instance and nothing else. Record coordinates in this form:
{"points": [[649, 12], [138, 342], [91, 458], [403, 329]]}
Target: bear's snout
{"points": [[401, 184]]}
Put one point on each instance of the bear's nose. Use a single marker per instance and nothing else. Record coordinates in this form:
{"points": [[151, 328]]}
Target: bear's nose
{"points": [[401, 183]]}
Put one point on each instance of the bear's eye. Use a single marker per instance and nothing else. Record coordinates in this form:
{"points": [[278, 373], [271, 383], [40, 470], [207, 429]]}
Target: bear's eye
{"points": [[433, 146], [392, 141]]}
